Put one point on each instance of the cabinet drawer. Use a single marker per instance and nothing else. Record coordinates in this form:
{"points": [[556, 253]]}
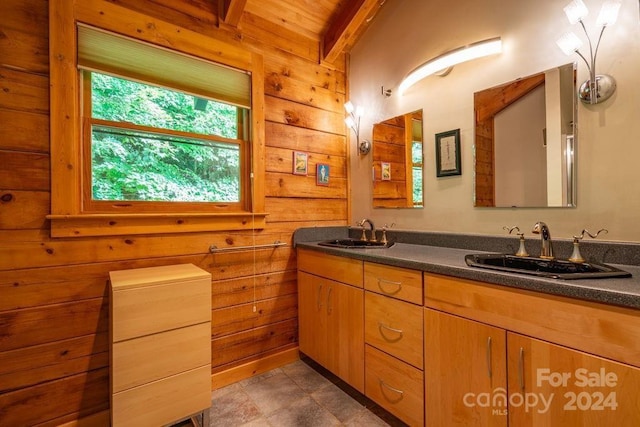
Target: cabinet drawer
{"points": [[395, 327], [150, 309], [340, 269], [395, 282], [137, 361], [394, 385], [163, 402]]}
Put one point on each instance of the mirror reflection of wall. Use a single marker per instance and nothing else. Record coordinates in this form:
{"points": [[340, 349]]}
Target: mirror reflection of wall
{"points": [[398, 162], [525, 143]]}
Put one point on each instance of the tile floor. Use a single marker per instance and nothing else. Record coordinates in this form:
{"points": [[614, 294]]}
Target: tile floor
{"points": [[295, 395]]}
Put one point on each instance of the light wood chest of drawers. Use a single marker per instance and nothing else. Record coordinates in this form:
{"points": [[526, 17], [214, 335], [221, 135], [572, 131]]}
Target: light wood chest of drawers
{"points": [[160, 337]]}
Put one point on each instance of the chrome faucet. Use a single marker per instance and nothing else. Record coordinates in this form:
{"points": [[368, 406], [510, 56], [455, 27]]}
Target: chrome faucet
{"points": [[373, 230], [547, 249]]}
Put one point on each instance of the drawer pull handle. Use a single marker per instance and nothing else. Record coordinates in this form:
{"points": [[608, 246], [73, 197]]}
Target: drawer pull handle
{"points": [[329, 301], [521, 369], [489, 371], [382, 327], [393, 389], [382, 281]]}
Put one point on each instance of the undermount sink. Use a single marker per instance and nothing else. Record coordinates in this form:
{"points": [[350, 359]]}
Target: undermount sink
{"points": [[355, 244], [552, 268]]}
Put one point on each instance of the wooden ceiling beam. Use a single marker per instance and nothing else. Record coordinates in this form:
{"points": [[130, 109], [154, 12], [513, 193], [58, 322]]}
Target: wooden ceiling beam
{"points": [[347, 26], [232, 11]]}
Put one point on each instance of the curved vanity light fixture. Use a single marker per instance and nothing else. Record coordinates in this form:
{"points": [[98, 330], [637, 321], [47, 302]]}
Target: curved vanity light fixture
{"points": [[599, 87], [451, 58], [353, 122]]}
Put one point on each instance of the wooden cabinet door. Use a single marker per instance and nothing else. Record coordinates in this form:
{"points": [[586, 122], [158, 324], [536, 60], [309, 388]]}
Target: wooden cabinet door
{"points": [[465, 364], [345, 330], [551, 385], [331, 326], [312, 329]]}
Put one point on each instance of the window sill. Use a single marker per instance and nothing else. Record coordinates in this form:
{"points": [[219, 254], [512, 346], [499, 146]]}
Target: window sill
{"points": [[86, 225]]}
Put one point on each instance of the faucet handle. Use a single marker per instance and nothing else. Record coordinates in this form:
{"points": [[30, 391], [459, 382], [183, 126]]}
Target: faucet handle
{"points": [[510, 229], [576, 256], [585, 231], [384, 232], [522, 251]]}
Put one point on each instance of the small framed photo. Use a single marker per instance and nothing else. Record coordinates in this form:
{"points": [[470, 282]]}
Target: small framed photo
{"points": [[448, 158], [322, 174], [300, 160], [386, 171]]}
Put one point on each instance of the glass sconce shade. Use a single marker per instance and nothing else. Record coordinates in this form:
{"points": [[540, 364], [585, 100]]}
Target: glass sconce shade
{"points": [[569, 43], [608, 13], [576, 11]]}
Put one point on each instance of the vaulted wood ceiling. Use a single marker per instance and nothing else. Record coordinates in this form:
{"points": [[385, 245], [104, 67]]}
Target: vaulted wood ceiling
{"points": [[335, 24]]}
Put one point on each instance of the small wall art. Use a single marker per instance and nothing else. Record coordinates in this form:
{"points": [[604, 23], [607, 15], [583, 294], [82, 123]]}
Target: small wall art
{"points": [[448, 153], [300, 160], [322, 174], [386, 171]]}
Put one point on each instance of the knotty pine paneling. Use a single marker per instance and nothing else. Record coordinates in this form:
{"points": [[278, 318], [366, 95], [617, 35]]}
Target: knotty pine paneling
{"points": [[24, 40], [301, 139], [23, 91], [242, 346], [241, 290], [53, 292], [23, 209], [296, 209], [52, 360], [80, 395], [243, 317], [332, 79], [24, 171], [288, 185], [284, 111], [303, 93], [27, 132]]}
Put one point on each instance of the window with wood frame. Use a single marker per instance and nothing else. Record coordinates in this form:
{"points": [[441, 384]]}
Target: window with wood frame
{"points": [[160, 128], [153, 130]]}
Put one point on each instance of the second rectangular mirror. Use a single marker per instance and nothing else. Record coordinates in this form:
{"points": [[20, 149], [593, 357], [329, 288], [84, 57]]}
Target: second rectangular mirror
{"points": [[398, 162], [525, 144]]}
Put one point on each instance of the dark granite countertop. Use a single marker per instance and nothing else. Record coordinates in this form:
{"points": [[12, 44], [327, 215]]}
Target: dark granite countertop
{"points": [[434, 258]]}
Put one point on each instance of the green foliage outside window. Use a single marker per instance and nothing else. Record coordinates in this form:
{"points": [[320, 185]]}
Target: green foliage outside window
{"points": [[152, 165], [416, 158]]}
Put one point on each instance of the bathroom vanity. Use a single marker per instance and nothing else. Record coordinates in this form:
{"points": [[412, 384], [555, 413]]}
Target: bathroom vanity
{"points": [[449, 344]]}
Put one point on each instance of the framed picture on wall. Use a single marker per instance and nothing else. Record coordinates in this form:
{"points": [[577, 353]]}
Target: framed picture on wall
{"points": [[386, 171], [300, 160], [322, 174], [448, 158]]}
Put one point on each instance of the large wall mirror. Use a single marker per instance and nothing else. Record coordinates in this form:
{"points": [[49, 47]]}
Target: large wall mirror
{"points": [[525, 141], [398, 162]]}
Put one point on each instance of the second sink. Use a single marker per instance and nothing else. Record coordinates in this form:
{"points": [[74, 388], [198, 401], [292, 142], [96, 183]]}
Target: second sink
{"points": [[552, 268], [354, 244]]}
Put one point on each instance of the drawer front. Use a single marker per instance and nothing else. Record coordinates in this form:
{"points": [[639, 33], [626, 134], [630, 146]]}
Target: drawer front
{"points": [[340, 269], [395, 385], [151, 309], [163, 402], [395, 282], [142, 360], [394, 327]]}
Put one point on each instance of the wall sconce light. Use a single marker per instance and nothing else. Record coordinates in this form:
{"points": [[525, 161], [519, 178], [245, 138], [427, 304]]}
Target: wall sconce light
{"points": [[599, 87], [353, 122], [451, 58]]}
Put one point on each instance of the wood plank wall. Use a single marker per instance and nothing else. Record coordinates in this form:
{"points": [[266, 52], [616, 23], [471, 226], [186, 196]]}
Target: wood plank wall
{"points": [[53, 292]]}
